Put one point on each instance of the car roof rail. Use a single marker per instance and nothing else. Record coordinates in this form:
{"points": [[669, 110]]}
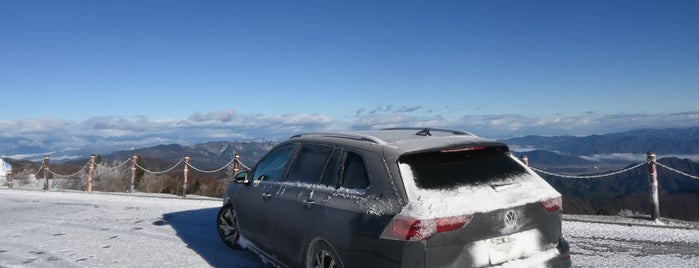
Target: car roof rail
{"points": [[343, 135], [429, 131]]}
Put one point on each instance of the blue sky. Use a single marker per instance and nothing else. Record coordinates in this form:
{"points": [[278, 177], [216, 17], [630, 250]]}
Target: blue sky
{"points": [[500, 68]]}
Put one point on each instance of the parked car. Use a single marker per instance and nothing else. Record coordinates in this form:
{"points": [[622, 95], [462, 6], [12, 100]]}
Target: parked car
{"points": [[399, 197]]}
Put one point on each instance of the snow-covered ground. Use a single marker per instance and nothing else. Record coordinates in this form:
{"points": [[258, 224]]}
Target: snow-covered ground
{"points": [[76, 229], [624, 242]]}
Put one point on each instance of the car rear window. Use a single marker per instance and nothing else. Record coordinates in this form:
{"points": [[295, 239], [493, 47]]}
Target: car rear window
{"points": [[468, 166]]}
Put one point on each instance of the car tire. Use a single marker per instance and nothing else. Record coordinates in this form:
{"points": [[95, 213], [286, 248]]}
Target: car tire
{"points": [[322, 255], [227, 225]]}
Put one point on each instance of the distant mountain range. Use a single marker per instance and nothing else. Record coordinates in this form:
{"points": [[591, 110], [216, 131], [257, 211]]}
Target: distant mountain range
{"points": [[602, 154], [674, 142], [210, 155], [71, 148], [661, 141], [597, 154]]}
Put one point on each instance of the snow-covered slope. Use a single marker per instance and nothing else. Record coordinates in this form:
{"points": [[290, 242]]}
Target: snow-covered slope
{"points": [[76, 229]]}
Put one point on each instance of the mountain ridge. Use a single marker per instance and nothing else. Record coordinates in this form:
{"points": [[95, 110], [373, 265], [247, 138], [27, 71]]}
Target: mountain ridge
{"points": [[661, 141]]}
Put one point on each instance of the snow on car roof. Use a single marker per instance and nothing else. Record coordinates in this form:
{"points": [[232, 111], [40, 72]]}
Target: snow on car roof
{"points": [[406, 139]]}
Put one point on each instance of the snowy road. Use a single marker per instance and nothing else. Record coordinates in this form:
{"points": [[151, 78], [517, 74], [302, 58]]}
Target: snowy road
{"points": [[73, 229]]}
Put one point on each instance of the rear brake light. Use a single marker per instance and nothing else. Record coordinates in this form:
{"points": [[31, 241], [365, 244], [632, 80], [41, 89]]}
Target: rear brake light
{"points": [[555, 204], [477, 148], [452, 223], [406, 228]]}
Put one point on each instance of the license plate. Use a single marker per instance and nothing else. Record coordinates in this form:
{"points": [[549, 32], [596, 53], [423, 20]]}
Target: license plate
{"points": [[500, 249]]}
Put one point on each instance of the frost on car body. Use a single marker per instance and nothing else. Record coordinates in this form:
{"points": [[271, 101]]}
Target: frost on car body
{"points": [[397, 198]]}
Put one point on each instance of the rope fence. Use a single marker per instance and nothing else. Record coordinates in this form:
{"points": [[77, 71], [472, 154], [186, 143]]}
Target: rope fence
{"points": [[91, 165], [215, 170], [677, 171], [237, 165], [69, 175], [652, 164], [113, 167], [596, 176], [39, 170], [157, 172], [612, 173]]}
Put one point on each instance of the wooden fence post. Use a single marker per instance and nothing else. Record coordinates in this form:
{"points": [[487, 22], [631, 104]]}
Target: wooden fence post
{"points": [[133, 173], [46, 173], [653, 180], [10, 179], [236, 164], [186, 173], [91, 173]]}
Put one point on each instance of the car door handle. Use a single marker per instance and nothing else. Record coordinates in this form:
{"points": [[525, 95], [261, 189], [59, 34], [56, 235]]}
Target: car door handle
{"points": [[308, 203], [267, 196]]}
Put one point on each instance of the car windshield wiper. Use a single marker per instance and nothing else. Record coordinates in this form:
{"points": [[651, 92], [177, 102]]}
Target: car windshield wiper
{"points": [[503, 186]]}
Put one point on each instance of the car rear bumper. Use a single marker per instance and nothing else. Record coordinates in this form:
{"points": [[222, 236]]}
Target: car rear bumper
{"points": [[414, 254]]}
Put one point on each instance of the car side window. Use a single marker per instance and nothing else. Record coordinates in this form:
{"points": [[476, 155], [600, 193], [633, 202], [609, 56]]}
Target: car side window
{"points": [[272, 166], [354, 174], [310, 163], [331, 173]]}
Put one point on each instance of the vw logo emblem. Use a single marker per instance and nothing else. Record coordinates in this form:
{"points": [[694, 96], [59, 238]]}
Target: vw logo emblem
{"points": [[510, 218]]}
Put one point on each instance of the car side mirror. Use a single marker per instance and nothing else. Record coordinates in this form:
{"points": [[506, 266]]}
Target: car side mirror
{"points": [[241, 177]]}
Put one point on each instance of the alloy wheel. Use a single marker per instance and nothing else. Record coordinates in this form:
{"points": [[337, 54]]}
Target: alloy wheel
{"points": [[323, 256], [228, 226]]}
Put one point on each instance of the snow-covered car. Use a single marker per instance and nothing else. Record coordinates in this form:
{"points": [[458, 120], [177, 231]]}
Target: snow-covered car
{"points": [[399, 197]]}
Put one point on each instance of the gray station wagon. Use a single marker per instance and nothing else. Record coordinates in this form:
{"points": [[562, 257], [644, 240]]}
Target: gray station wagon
{"points": [[398, 197]]}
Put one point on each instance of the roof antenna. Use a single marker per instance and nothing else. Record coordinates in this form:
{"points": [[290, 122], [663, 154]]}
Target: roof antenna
{"points": [[425, 132]]}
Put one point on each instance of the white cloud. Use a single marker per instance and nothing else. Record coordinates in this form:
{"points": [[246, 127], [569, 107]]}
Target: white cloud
{"points": [[141, 131], [505, 126], [388, 110], [34, 127]]}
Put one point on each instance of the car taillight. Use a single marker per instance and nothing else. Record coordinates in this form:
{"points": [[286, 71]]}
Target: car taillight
{"points": [[555, 204], [406, 228]]}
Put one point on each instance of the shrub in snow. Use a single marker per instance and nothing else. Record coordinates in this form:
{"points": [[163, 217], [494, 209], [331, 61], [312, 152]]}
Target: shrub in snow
{"points": [[630, 213]]}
